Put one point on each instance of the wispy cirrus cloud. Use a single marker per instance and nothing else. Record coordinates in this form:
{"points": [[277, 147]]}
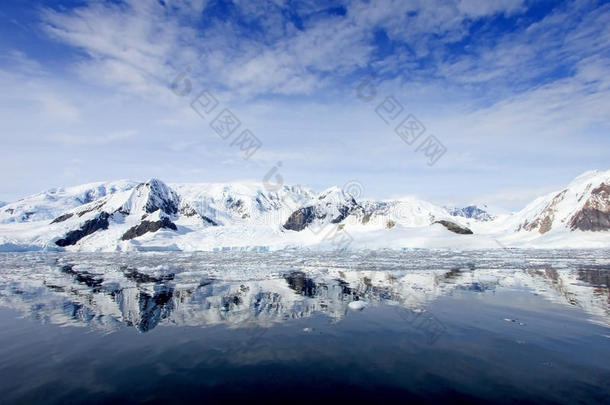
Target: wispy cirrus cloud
{"points": [[510, 86], [255, 50]]}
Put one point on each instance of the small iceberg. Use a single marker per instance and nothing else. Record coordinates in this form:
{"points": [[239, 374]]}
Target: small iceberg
{"points": [[357, 305]]}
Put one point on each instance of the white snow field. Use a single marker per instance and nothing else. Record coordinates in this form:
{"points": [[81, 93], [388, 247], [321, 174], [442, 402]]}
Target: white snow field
{"points": [[153, 216]]}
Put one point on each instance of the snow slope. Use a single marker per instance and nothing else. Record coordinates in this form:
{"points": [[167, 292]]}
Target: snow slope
{"points": [[51, 203], [576, 216], [125, 216]]}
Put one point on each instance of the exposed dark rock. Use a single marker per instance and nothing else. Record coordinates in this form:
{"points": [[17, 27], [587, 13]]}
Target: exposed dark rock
{"points": [[238, 207], [231, 301], [234, 204], [10, 211], [303, 217], [595, 213], [84, 277], [62, 218], [301, 284], [455, 228], [26, 216], [209, 220], [332, 202], [344, 211], [544, 221], [149, 226], [260, 205], [546, 224], [452, 274], [55, 288], [154, 308], [90, 226], [205, 282], [476, 287], [596, 275], [93, 207], [188, 211], [139, 277], [299, 219], [159, 197], [123, 211], [590, 219]]}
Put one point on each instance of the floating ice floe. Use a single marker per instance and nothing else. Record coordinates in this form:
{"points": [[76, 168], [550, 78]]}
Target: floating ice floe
{"points": [[357, 305]]}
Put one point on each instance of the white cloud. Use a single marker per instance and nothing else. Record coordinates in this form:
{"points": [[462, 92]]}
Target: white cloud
{"points": [[478, 8], [31, 91], [130, 45], [136, 45], [500, 101], [88, 139]]}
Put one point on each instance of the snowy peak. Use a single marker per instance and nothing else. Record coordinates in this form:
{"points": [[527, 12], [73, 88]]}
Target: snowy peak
{"points": [[334, 206], [584, 205], [152, 196], [471, 211], [123, 216], [152, 210], [331, 206], [407, 212], [595, 212], [52, 203], [234, 203], [335, 195], [587, 177]]}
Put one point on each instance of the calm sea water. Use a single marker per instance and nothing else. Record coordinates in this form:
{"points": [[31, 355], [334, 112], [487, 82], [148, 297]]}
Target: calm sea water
{"points": [[429, 326]]}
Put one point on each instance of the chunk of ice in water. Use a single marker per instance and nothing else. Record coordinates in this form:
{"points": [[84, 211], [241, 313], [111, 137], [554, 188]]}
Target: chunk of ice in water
{"points": [[357, 305]]}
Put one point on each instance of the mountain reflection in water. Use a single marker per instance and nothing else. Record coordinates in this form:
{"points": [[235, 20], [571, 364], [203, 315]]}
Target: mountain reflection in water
{"points": [[110, 291]]}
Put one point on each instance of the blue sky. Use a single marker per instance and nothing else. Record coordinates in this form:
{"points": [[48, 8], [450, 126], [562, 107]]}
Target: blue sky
{"points": [[517, 92]]}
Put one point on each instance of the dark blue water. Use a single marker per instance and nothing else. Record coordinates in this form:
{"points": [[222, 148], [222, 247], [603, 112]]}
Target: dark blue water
{"points": [[197, 329]]}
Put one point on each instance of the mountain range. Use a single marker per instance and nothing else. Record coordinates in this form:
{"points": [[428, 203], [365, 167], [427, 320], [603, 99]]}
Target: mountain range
{"points": [[472, 211], [152, 216]]}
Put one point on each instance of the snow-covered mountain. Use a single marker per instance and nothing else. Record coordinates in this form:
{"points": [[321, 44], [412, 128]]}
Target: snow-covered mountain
{"points": [[332, 206], [575, 216], [52, 203], [472, 211], [584, 205], [207, 216], [125, 215]]}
